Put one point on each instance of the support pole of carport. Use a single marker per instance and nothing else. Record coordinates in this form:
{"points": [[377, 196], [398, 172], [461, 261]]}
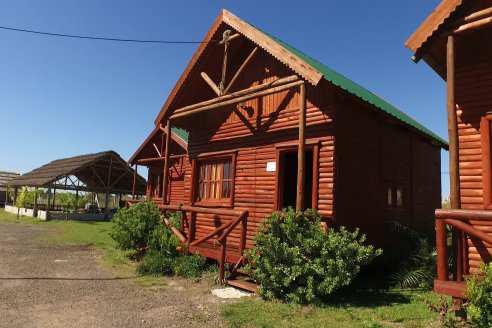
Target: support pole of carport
{"points": [[165, 177], [48, 204], [16, 190], [35, 205], [54, 199], [300, 151], [108, 185]]}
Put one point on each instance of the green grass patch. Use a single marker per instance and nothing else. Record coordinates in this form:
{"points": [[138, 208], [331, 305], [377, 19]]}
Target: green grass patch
{"points": [[88, 233], [361, 309]]}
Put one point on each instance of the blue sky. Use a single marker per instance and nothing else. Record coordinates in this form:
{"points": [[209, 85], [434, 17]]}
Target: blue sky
{"points": [[65, 97]]}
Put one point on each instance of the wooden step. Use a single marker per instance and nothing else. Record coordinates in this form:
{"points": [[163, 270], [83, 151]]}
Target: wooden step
{"points": [[242, 272], [243, 284]]}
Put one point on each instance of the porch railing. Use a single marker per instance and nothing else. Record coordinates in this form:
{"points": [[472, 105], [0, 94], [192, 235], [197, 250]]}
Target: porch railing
{"points": [[222, 232], [462, 225]]}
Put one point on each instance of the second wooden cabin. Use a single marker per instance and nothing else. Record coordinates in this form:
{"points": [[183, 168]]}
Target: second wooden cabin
{"points": [[269, 127]]}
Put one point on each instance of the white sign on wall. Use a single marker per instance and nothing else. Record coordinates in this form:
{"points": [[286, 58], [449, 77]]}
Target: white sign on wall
{"points": [[271, 166]]}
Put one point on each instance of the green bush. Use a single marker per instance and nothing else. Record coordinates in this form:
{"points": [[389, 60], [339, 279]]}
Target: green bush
{"points": [[133, 226], [479, 292], [295, 260], [189, 266], [156, 263]]}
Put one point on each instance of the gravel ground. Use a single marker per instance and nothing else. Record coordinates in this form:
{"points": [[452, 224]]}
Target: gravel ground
{"points": [[50, 285]]}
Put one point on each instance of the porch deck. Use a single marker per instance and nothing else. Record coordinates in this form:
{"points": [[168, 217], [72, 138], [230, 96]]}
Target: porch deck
{"points": [[471, 245]]}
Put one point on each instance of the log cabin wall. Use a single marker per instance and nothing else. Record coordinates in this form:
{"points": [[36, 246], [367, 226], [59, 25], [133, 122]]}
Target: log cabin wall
{"points": [[385, 172], [474, 108], [255, 131]]}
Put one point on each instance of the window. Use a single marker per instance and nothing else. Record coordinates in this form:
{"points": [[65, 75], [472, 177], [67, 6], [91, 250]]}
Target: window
{"points": [[156, 185], [214, 180], [395, 196]]}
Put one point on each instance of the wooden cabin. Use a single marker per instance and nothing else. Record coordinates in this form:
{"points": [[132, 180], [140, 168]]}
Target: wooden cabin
{"points": [[150, 155], [455, 41], [270, 127]]}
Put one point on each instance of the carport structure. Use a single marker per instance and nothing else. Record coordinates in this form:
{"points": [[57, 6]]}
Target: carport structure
{"points": [[104, 172]]}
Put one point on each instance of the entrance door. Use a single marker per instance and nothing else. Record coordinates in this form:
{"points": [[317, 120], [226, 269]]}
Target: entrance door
{"points": [[287, 186]]}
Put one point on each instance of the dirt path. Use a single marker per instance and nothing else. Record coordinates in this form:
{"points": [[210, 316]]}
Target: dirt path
{"points": [[46, 285]]}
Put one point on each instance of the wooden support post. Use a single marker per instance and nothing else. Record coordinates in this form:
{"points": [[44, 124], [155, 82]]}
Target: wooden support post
{"points": [[54, 198], [458, 255], [242, 240], [442, 254], [48, 204], [452, 128], [35, 205], [106, 205], [165, 177], [135, 172], [300, 151], [16, 191], [192, 227], [222, 261]]}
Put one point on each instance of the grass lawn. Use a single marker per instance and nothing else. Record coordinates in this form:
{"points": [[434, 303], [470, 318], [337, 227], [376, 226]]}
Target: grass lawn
{"points": [[361, 309], [356, 307]]}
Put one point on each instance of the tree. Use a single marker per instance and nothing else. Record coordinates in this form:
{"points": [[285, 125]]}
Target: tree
{"points": [[21, 200]]}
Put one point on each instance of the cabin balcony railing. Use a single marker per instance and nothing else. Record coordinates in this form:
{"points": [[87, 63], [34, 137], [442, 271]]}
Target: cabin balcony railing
{"points": [[465, 224], [188, 217]]}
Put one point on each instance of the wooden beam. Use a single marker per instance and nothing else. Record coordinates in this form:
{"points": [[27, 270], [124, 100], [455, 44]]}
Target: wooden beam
{"points": [[224, 67], [48, 204], [452, 127], [474, 17], [239, 99], [233, 95], [232, 37], [300, 150], [298, 65], [239, 71], [166, 163], [485, 22], [157, 149], [211, 83], [441, 245]]}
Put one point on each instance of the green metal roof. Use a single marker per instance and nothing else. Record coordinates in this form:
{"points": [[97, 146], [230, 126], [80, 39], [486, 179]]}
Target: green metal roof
{"points": [[182, 133], [359, 91]]}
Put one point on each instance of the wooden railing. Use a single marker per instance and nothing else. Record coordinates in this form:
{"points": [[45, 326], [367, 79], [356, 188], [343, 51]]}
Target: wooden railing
{"points": [[222, 232], [460, 221]]}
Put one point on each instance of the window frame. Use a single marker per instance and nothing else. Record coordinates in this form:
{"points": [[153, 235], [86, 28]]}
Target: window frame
{"points": [[393, 188], [208, 158], [485, 140]]}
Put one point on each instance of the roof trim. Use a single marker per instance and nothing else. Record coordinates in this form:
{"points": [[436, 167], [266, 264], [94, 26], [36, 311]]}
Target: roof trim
{"points": [[423, 33], [177, 135]]}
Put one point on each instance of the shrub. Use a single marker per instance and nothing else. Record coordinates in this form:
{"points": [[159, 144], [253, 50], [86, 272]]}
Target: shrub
{"points": [[189, 266], [156, 263], [419, 269], [162, 240], [295, 260], [133, 226], [479, 292]]}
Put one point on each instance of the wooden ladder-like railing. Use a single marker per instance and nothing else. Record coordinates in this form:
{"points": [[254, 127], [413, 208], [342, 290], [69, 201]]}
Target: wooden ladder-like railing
{"points": [[461, 222], [222, 232]]}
